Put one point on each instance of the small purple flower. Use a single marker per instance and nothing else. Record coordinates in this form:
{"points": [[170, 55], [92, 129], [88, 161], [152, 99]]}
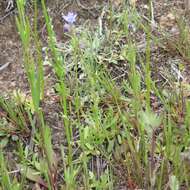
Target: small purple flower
{"points": [[70, 18], [66, 27], [131, 27]]}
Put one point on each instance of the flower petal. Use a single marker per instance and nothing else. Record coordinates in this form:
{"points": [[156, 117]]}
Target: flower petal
{"points": [[70, 18]]}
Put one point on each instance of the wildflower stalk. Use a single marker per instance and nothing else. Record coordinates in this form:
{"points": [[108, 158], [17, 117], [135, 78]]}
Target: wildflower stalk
{"points": [[148, 62]]}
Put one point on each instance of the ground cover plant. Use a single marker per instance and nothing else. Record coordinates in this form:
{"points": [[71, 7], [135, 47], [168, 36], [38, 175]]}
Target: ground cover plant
{"points": [[101, 112]]}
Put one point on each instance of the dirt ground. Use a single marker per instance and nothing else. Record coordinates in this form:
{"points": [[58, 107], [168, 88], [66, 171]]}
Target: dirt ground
{"points": [[11, 77]]}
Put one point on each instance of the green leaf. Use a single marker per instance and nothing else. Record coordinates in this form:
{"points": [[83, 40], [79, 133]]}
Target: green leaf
{"points": [[89, 146], [173, 183], [150, 121], [110, 146], [3, 143], [32, 175]]}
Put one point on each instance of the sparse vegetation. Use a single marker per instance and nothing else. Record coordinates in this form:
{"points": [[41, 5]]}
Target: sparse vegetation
{"points": [[126, 129]]}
